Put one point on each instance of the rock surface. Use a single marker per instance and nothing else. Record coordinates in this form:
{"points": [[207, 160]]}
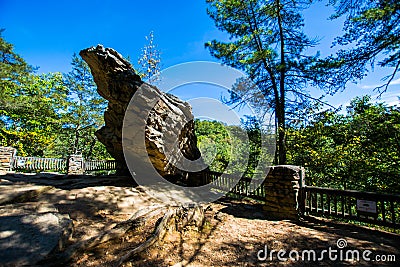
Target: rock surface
{"points": [[117, 82], [41, 215], [29, 231]]}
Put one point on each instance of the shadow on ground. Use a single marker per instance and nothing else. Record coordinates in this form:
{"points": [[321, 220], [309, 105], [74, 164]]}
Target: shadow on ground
{"points": [[234, 233]]}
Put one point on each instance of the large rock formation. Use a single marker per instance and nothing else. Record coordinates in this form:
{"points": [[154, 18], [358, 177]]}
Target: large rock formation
{"points": [[117, 82]]}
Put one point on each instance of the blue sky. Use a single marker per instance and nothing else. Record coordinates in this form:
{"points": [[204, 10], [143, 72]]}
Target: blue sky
{"points": [[47, 33]]}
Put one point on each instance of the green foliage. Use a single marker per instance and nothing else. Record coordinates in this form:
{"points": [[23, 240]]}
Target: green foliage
{"points": [[30, 105], [48, 115], [372, 39], [213, 141], [222, 144], [268, 43], [13, 69], [84, 114], [359, 150]]}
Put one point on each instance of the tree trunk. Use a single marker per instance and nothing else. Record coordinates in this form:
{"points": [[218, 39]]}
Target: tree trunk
{"points": [[282, 104], [76, 140]]}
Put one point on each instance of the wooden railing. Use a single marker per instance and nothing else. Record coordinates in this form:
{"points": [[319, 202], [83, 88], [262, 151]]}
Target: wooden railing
{"points": [[38, 164], [243, 188], [58, 165], [100, 165], [374, 208]]}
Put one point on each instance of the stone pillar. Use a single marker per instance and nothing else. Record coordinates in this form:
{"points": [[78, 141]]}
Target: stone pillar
{"points": [[7, 155], [282, 187], [75, 165]]}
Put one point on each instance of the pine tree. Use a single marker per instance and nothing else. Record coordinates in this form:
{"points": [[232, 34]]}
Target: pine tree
{"points": [[84, 113], [371, 38], [269, 45]]}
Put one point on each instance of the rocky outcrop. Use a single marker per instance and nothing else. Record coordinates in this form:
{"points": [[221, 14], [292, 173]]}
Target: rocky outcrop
{"points": [[29, 229], [117, 82]]}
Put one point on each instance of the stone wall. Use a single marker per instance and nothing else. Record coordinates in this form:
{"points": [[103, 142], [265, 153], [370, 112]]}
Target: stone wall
{"points": [[75, 165], [282, 188], [6, 157]]}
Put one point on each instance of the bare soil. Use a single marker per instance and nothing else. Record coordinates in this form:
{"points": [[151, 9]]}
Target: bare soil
{"points": [[233, 234]]}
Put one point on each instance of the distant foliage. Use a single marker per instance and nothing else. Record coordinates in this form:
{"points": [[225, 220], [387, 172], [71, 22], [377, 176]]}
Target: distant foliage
{"points": [[50, 115], [13, 69], [359, 150], [222, 144], [31, 119], [84, 113]]}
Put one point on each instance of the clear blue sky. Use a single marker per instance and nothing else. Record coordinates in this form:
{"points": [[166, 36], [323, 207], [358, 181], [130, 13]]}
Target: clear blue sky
{"points": [[47, 33]]}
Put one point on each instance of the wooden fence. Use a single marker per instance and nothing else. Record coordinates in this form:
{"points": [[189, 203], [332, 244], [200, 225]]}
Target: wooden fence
{"points": [[35, 164], [38, 164], [245, 187], [374, 208], [100, 165]]}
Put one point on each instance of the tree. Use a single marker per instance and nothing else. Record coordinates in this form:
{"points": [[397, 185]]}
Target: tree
{"points": [[30, 104], [34, 121], [150, 60], [84, 113], [269, 45], [13, 70], [371, 34], [357, 150]]}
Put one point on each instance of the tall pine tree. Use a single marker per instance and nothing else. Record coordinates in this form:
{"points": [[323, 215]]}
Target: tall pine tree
{"points": [[85, 112], [371, 38], [268, 43]]}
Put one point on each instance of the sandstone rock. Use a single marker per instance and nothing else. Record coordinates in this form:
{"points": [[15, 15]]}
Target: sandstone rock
{"points": [[29, 233], [117, 82]]}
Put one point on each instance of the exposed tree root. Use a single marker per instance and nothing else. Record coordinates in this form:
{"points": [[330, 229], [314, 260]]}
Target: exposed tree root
{"points": [[177, 219], [173, 219], [118, 231]]}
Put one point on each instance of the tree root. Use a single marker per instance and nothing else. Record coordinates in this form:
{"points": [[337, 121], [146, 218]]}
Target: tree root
{"points": [[174, 219], [118, 231], [158, 234]]}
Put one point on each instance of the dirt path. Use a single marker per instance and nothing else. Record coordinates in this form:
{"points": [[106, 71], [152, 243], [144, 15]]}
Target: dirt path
{"points": [[233, 235]]}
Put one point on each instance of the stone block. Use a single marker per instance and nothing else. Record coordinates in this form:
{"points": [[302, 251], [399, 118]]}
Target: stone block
{"points": [[282, 185]]}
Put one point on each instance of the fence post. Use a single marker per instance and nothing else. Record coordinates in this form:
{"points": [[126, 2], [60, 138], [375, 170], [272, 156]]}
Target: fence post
{"points": [[7, 155], [302, 192], [75, 165], [282, 186]]}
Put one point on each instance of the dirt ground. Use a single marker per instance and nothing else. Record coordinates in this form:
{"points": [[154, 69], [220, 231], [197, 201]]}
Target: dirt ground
{"points": [[233, 234]]}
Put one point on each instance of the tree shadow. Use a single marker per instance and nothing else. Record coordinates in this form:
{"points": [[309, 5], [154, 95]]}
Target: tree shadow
{"points": [[243, 209], [351, 230], [70, 181], [93, 203]]}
